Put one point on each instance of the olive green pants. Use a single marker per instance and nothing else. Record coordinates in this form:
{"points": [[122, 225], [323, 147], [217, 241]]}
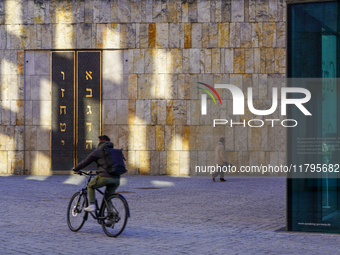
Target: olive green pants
{"points": [[97, 182]]}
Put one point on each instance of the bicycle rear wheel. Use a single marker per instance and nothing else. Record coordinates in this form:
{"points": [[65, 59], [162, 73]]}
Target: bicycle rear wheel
{"points": [[114, 215], [76, 215]]}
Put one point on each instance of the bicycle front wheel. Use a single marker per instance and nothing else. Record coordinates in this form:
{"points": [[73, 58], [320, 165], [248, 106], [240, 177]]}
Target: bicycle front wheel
{"points": [[75, 212], [114, 215]]}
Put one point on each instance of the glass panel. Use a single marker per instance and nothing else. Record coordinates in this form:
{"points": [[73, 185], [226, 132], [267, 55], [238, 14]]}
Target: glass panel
{"points": [[329, 122], [312, 52]]}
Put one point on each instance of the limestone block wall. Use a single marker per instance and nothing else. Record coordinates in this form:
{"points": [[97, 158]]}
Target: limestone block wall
{"points": [[37, 112], [12, 111], [154, 53]]}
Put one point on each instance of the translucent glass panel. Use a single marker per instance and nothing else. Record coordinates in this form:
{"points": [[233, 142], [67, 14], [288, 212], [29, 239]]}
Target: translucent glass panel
{"points": [[313, 199]]}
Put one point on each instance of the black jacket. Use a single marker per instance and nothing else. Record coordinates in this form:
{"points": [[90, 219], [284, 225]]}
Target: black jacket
{"points": [[97, 156]]}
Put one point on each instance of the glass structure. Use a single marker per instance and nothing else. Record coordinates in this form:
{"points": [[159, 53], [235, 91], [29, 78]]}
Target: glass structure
{"points": [[313, 201]]}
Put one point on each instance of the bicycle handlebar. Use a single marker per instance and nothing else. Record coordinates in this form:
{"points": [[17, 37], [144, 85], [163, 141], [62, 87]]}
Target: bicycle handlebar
{"points": [[81, 172]]}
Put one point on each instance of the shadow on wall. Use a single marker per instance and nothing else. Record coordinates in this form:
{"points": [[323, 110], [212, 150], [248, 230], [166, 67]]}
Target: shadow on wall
{"points": [[12, 97], [142, 110]]}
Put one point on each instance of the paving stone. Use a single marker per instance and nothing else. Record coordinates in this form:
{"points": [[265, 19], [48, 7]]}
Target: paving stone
{"points": [[189, 215]]}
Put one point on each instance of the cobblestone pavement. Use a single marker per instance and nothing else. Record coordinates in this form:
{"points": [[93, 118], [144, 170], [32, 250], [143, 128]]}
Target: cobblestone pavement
{"points": [[169, 215]]}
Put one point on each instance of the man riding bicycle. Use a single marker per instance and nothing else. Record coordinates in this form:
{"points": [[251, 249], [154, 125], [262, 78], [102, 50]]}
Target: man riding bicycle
{"points": [[103, 178]]}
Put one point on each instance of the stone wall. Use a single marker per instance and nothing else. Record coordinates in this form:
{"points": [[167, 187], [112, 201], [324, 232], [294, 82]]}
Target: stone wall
{"points": [[154, 53], [37, 112]]}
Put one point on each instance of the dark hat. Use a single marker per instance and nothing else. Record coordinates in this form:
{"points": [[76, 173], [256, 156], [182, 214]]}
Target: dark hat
{"points": [[104, 138]]}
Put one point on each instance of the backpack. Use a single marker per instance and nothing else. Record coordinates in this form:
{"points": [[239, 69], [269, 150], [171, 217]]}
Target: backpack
{"points": [[115, 161]]}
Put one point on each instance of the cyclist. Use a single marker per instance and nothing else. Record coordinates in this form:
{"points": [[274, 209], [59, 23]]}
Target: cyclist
{"points": [[102, 178]]}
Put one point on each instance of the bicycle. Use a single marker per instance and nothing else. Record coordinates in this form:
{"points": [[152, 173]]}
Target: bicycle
{"points": [[112, 213]]}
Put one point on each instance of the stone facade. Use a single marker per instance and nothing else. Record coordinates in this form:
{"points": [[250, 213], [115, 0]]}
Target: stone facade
{"points": [[154, 53]]}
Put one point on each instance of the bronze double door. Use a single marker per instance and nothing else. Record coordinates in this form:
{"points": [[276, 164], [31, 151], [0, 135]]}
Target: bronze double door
{"points": [[76, 106]]}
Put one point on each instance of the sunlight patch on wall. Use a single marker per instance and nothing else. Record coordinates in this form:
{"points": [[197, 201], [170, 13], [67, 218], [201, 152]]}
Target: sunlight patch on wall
{"points": [[138, 139], [13, 13], [161, 83]]}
